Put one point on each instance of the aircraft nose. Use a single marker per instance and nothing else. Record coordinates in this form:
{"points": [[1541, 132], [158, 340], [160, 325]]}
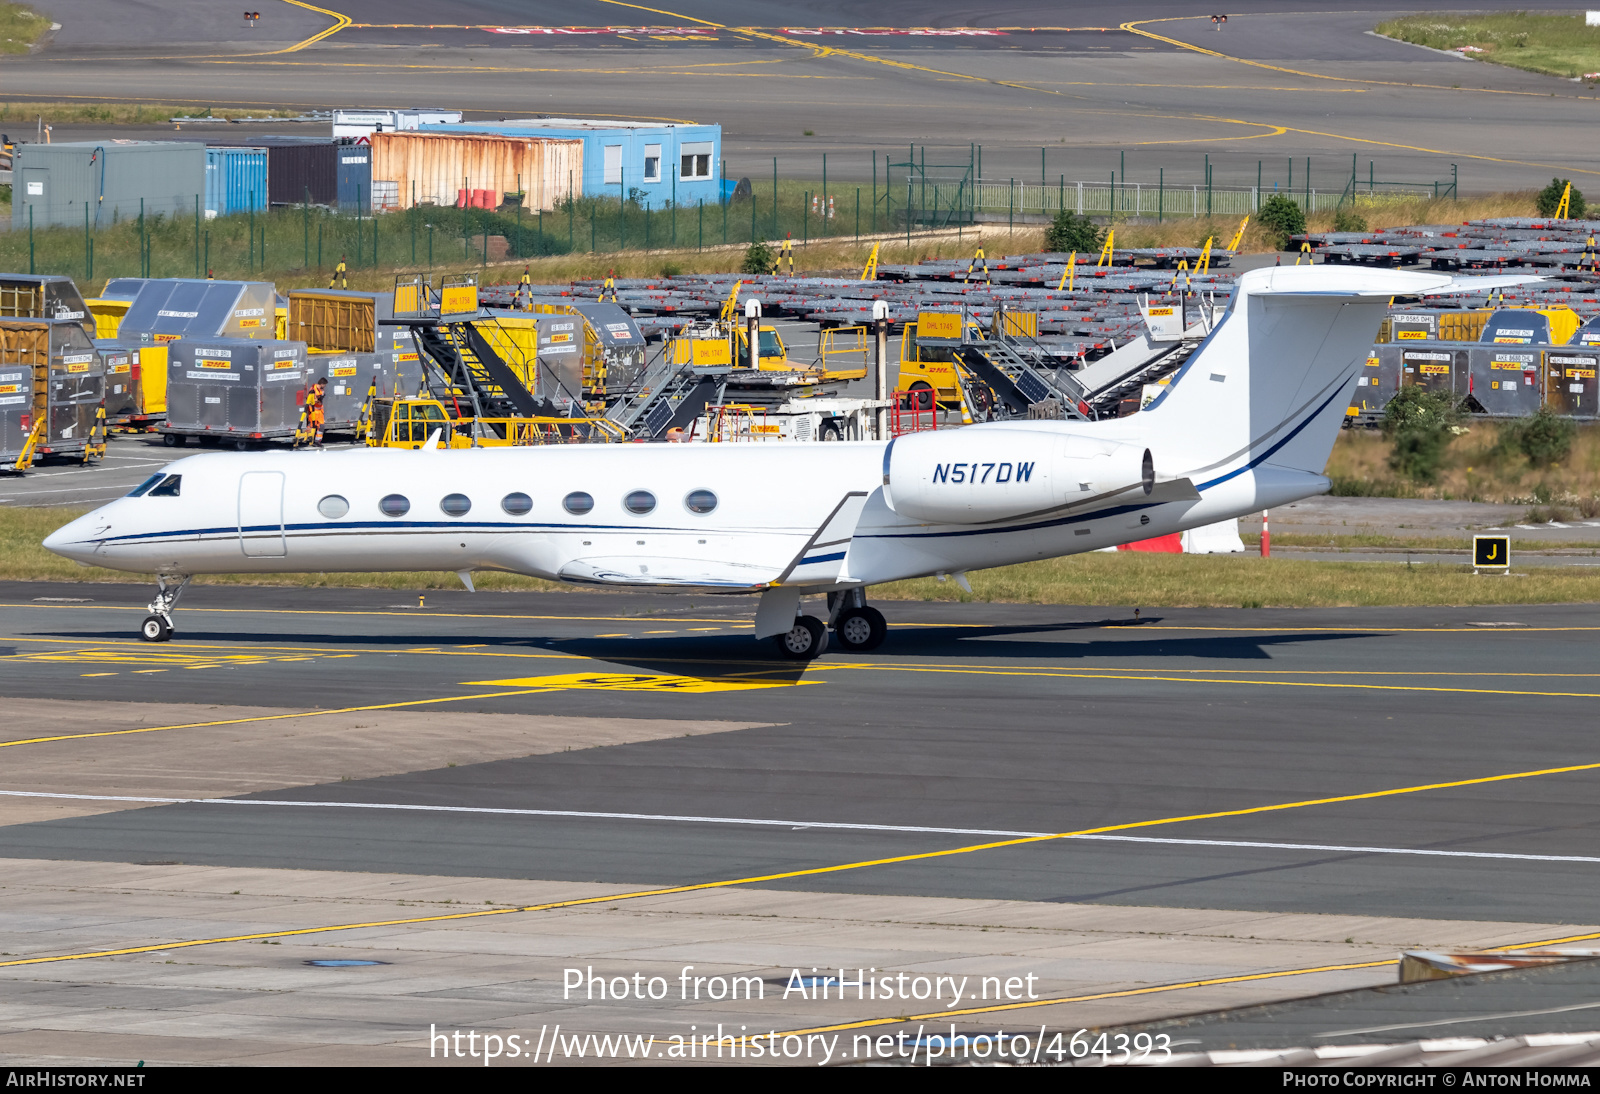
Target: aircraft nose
{"points": [[73, 540]]}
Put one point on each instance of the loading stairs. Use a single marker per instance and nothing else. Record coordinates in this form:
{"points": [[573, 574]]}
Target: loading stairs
{"points": [[668, 396], [1020, 383], [469, 368]]}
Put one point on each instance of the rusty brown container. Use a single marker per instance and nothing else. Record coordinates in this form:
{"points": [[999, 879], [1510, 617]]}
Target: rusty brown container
{"points": [[445, 169]]}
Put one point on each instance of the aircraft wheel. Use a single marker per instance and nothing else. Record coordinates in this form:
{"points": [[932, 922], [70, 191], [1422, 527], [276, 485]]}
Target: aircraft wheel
{"points": [[861, 629], [805, 641], [155, 629]]}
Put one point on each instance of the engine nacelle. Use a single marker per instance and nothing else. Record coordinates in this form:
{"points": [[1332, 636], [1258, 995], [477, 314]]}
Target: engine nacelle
{"points": [[976, 475]]}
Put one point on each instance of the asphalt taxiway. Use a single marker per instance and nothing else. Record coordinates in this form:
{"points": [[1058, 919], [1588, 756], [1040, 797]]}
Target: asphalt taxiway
{"points": [[1187, 810]]}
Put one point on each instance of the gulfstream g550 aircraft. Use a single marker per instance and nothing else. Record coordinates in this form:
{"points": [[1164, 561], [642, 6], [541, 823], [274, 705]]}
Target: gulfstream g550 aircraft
{"points": [[1247, 423]]}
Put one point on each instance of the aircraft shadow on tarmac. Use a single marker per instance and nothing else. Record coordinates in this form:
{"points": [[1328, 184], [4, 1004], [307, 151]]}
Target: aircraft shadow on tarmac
{"points": [[729, 655]]}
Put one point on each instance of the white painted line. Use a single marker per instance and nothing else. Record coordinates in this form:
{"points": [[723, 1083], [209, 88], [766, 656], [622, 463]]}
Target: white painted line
{"points": [[910, 829]]}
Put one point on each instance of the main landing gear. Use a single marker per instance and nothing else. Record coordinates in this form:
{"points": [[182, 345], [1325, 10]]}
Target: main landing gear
{"points": [[157, 626], [856, 626]]}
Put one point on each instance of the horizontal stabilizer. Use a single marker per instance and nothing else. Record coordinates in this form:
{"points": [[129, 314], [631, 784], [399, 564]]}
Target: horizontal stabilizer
{"points": [[1355, 281], [646, 572]]}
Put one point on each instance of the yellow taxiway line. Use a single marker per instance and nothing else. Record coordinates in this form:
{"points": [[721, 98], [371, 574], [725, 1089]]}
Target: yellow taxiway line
{"points": [[820, 871]]}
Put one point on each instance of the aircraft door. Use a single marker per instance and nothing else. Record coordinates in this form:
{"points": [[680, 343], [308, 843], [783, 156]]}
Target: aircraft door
{"points": [[261, 514]]}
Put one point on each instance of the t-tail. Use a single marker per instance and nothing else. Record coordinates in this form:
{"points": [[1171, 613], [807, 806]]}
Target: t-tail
{"points": [[1265, 394]]}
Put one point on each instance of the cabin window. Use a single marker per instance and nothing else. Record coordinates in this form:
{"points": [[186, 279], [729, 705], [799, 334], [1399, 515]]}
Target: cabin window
{"points": [[517, 504], [639, 502], [333, 507], [169, 487], [455, 505], [577, 503], [700, 501], [144, 487], [394, 505]]}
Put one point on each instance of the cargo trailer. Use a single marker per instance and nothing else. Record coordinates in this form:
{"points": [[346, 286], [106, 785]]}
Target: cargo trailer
{"points": [[43, 296], [238, 391], [168, 309], [54, 365]]}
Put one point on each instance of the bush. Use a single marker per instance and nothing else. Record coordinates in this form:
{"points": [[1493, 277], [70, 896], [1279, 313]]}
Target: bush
{"points": [[1422, 424], [1550, 197], [1348, 220], [759, 258], [1069, 232], [1282, 218], [1544, 437]]}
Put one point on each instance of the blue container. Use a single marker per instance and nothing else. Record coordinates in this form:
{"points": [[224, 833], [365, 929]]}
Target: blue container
{"points": [[236, 180], [355, 178]]}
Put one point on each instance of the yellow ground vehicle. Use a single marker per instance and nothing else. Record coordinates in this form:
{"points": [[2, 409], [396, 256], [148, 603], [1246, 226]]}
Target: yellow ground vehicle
{"points": [[408, 423], [927, 356], [843, 351]]}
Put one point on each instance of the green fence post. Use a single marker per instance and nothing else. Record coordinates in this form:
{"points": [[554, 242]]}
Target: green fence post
{"points": [[1308, 184], [805, 216], [86, 273], [824, 206], [196, 237], [647, 225], [858, 214], [30, 239], [701, 245], [875, 190], [675, 205], [1161, 196], [305, 229], [319, 244], [1011, 216], [144, 252], [774, 197], [208, 251]]}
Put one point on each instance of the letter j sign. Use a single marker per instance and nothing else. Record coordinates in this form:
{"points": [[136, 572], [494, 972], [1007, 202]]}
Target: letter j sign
{"points": [[1491, 552]]}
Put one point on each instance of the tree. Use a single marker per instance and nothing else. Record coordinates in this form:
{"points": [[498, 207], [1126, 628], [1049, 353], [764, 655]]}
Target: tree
{"points": [[1549, 199], [758, 258], [1070, 232], [1281, 217], [1545, 437]]}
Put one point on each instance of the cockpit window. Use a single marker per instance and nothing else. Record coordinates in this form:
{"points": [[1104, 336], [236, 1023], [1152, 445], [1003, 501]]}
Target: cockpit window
{"points": [[144, 487], [169, 487]]}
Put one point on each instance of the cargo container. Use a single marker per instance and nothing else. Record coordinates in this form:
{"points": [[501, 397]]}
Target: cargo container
{"points": [[107, 313], [344, 321], [106, 182], [1504, 380], [43, 296], [1530, 326], [235, 390], [1378, 382], [167, 309], [236, 180], [1572, 381], [64, 383], [355, 124], [354, 186], [651, 163], [1444, 324], [144, 402], [450, 168], [16, 411], [1439, 366], [1588, 334], [351, 378], [611, 344], [300, 170]]}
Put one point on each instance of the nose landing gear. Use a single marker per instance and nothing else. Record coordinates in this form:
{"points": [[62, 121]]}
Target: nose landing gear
{"points": [[157, 626]]}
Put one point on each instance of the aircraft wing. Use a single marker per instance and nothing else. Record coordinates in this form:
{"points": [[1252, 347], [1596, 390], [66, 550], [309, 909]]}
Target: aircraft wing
{"points": [[657, 572]]}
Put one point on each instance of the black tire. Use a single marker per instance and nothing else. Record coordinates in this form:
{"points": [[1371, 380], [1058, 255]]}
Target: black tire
{"points": [[832, 431], [861, 629], [172, 440], [981, 403], [920, 396], [155, 629], [805, 641], [241, 445]]}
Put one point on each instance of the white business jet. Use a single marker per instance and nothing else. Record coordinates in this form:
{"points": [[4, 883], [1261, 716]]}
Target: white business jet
{"points": [[1246, 424]]}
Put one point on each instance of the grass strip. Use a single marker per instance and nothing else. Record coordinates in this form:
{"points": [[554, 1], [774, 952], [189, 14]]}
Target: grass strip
{"points": [[20, 28], [1556, 45]]}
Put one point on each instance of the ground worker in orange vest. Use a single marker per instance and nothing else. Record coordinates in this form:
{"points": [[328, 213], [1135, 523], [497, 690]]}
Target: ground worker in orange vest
{"points": [[316, 413], [339, 272]]}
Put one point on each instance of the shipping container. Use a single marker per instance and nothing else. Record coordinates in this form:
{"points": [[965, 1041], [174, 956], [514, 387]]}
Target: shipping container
{"points": [[237, 390], [43, 296], [1505, 379], [1445, 324], [65, 383], [648, 163], [1572, 382], [355, 124], [167, 309], [355, 179], [102, 183], [612, 345], [1378, 382], [446, 168], [1588, 334], [107, 313], [300, 170], [1530, 326], [236, 180], [16, 410]]}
